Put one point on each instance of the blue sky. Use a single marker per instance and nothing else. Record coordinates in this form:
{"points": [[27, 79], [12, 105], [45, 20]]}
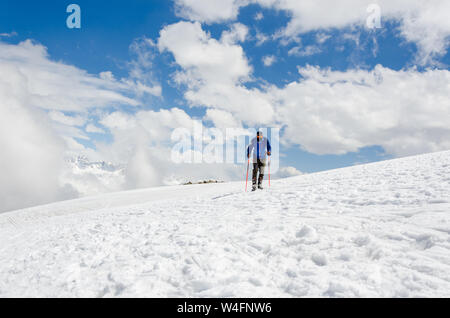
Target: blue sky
{"points": [[108, 30]]}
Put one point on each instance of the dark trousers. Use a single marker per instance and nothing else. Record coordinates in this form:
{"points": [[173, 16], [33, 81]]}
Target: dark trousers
{"points": [[259, 165]]}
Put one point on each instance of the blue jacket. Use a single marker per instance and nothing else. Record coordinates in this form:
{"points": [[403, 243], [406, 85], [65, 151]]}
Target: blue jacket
{"points": [[259, 149]]}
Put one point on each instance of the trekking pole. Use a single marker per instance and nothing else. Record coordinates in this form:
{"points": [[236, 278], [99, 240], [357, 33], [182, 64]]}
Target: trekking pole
{"points": [[248, 167], [269, 171]]}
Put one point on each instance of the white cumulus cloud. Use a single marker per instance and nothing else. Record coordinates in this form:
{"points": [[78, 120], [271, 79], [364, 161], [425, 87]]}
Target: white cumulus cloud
{"points": [[330, 112], [268, 60], [214, 72], [209, 11], [324, 112], [43, 105], [423, 22]]}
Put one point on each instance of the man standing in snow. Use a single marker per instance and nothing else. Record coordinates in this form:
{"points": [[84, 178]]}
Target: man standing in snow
{"points": [[260, 146]]}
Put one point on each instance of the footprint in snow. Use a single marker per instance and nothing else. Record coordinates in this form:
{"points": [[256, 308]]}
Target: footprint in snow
{"points": [[425, 241], [290, 273], [306, 231], [361, 240], [201, 286], [255, 282], [345, 256], [319, 259]]}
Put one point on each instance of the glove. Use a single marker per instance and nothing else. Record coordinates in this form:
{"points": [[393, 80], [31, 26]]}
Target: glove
{"points": [[269, 153]]}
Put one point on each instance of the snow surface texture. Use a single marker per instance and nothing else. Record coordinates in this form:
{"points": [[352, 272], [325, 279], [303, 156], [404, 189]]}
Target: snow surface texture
{"points": [[379, 230]]}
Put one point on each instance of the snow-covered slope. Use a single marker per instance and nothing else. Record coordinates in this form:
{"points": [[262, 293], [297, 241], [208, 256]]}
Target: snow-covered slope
{"points": [[375, 230]]}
